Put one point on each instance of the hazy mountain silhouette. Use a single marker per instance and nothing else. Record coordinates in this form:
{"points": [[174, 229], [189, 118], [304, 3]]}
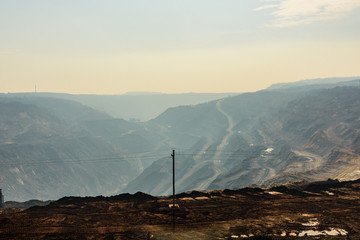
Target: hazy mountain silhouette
{"points": [[137, 106], [318, 83]]}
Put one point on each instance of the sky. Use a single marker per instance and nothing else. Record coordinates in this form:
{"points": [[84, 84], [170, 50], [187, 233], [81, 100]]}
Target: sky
{"points": [[174, 46]]}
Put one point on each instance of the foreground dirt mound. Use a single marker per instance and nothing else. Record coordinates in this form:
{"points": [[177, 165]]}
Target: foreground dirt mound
{"points": [[323, 210]]}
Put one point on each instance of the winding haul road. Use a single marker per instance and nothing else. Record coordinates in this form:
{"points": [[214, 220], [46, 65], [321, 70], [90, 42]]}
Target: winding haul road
{"points": [[216, 160], [198, 163]]}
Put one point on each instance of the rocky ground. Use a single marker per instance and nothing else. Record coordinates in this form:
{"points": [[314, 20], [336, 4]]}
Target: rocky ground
{"points": [[323, 210]]}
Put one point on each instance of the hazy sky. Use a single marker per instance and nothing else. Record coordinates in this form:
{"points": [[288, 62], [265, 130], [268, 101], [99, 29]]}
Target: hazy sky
{"points": [[116, 46]]}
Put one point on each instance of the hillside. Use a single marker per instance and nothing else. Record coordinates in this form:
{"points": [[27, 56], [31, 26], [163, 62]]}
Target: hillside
{"points": [[321, 210], [260, 138], [52, 147]]}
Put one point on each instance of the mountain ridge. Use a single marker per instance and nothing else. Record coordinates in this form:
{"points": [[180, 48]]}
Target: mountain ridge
{"points": [[135, 107]]}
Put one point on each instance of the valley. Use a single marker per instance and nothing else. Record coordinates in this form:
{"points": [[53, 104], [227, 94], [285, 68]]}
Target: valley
{"points": [[52, 147]]}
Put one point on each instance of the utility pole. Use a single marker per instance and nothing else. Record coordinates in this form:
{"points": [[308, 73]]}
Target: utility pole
{"points": [[1, 199], [173, 205]]}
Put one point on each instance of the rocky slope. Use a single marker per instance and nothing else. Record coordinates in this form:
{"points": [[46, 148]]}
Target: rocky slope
{"points": [[260, 138], [50, 148]]}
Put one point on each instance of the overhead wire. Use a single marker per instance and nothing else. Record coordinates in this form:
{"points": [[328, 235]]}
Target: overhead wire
{"points": [[100, 158], [123, 157]]}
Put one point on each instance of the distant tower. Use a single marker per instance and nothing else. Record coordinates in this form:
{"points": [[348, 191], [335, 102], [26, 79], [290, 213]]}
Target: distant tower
{"points": [[35, 89], [1, 199]]}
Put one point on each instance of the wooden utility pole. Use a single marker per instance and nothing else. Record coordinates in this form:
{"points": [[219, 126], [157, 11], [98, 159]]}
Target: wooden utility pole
{"points": [[173, 205]]}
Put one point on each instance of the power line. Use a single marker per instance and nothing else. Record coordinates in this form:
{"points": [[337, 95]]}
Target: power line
{"points": [[228, 155], [122, 157], [115, 158]]}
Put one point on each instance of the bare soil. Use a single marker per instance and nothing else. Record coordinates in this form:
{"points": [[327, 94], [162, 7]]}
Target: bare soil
{"points": [[323, 210]]}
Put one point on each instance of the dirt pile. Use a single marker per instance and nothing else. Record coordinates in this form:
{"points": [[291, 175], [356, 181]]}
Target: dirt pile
{"points": [[322, 210]]}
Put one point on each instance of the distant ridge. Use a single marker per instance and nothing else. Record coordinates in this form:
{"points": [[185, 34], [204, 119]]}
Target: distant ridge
{"points": [[316, 81], [142, 93], [138, 106]]}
